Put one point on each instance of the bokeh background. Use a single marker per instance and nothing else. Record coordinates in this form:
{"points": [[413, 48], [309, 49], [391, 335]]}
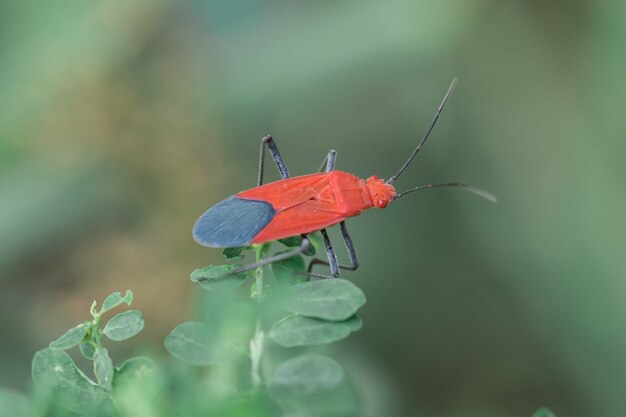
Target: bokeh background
{"points": [[122, 121]]}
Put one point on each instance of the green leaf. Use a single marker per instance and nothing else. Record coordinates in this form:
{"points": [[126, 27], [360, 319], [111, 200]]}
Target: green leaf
{"points": [[133, 369], [71, 338], [291, 242], [317, 242], [14, 404], [196, 343], [235, 253], [87, 349], [305, 375], [103, 368], [124, 325], [93, 310], [328, 299], [56, 377], [544, 412], [296, 241], [115, 300], [285, 271], [138, 389], [214, 278], [296, 330]]}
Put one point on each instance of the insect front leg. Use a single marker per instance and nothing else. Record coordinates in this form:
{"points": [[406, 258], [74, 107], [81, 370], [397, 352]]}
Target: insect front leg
{"points": [[282, 168], [354, 261]]}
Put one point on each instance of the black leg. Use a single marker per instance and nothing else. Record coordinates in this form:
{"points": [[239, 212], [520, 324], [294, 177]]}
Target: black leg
{"points": [[329, 163], [304, 246], [350, 247], [330, 253], [267, 140], [351, 253], [332, 259]]}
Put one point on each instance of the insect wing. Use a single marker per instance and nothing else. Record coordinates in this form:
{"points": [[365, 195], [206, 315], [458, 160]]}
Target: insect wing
{"points": [[284, 194], [232, 222], [305, 218]]}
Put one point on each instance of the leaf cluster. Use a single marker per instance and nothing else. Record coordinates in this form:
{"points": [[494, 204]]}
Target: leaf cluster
{"points": [[56, 376], [281, 334], [293, 314]]}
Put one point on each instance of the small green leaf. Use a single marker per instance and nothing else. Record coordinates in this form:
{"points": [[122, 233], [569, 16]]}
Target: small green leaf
{"points": [[304, 375], [215, 278], [317, 242], [235, 253], [296, 330], [285, 271], [355, 323], [544, 412], [103, 368], [124, 325], [87, 349], [56, 376], [115, 300], [296, 241], [291, 242], [71, 338], [195, 343], [93, 310], [328, 299], [14, 404], [140, 391], [132, 370]]}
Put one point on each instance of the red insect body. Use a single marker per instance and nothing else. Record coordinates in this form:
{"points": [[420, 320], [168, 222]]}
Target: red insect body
{"points": [[302, 205], [312, 202]]}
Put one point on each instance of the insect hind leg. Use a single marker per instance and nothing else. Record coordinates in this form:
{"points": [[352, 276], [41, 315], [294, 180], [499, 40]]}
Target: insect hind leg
{"points": [[354, 261], [280, 164]]}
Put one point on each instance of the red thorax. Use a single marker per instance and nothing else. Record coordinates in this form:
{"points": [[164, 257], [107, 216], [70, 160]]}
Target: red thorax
{"points": [[381, 193]]}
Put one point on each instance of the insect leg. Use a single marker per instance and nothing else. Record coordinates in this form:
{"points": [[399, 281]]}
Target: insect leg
{"points": [[332, 259], [350, 247], [330, 253], [267, 140], [329, 163], [304, 246], [351, 253]]}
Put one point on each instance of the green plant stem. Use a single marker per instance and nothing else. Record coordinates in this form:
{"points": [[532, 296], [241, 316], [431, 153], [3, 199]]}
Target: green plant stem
{"points": [[257, 342], [97, 336]]}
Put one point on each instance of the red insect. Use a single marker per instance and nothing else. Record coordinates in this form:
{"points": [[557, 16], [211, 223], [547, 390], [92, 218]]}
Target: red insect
{"points": [[301, 205], [312, 202]]}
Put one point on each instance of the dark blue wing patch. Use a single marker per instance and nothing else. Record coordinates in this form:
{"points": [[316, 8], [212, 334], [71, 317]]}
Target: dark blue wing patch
{"points": [[232, 222]]}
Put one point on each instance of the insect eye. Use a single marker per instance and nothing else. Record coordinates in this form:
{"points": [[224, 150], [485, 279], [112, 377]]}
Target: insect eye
{"points": [[382, 203]]}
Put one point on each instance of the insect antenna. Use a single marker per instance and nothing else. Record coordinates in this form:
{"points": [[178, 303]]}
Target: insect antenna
{"points": [[470, 188], [432, 125]]}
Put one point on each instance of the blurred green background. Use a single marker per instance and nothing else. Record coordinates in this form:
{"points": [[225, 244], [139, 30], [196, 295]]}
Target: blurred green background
{"points": [[122, 121]]}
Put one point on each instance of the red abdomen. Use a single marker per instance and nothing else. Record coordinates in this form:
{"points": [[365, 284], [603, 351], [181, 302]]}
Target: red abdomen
{"points": [[309, 203]]}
